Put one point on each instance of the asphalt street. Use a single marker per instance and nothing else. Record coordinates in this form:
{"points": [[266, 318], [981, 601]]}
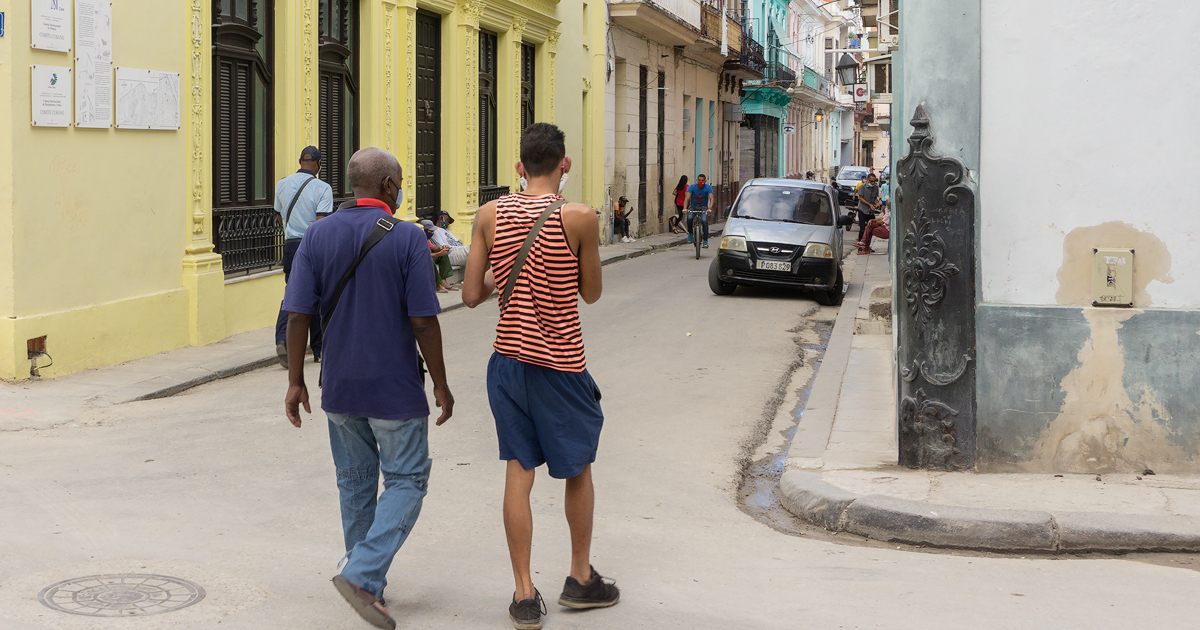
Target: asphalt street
{"points": [[215, 487]]}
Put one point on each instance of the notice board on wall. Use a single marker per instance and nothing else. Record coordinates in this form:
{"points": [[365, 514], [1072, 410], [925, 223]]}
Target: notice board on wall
{"points": [[50, 96], [50, 25], [147, 99], [93, 63]]}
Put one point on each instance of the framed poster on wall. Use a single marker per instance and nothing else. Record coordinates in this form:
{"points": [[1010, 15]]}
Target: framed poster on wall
{"points": [[147, 99], [50, 95], [50, 25], [93, 63]]}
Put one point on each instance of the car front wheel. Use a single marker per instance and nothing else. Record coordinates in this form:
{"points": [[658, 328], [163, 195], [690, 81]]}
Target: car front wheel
{"points": [[718, 286], [833, 297]]}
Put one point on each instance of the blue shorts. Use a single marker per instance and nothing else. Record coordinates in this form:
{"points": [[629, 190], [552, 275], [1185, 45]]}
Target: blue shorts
{"points": [[544, 416]]}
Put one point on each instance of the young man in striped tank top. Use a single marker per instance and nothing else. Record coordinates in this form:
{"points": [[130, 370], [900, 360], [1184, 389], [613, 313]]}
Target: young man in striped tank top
{"points": [[546, 405]]}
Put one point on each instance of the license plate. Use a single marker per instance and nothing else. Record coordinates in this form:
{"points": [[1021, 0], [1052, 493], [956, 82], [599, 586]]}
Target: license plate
{"points": [[774, 266]]}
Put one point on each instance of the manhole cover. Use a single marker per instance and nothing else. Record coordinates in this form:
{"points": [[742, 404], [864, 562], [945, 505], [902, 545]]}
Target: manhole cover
{"points": [[121, 595]]}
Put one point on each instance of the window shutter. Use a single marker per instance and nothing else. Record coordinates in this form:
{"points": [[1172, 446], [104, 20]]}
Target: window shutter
{"points": [[242, 132], [223, 121]]}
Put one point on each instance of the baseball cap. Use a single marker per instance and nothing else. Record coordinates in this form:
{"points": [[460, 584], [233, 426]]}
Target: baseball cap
{"points": [[443, 213], [427, 224], [310, 154]]}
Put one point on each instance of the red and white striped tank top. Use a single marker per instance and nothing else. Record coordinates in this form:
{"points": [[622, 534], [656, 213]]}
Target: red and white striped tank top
{"points": [[540, 323]]}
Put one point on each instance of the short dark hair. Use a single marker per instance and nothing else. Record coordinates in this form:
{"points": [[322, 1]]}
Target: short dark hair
{"points": [[543, 147], [702, 176]]}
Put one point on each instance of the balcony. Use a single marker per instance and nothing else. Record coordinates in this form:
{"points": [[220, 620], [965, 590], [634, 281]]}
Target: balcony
{"points": [[750, 64], [779, 73], [671, 22], [710, 27]]}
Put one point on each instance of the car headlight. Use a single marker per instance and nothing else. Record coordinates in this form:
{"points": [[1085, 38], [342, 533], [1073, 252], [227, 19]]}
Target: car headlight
{"points": [[734, 243], [818, 250]]}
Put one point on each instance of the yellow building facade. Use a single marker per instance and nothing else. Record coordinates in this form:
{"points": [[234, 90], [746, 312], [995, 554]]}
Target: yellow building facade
{"points": [[113, 244]]}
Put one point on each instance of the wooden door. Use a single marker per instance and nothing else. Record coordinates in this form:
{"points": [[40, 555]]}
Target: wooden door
{"points": [[428, 106]]}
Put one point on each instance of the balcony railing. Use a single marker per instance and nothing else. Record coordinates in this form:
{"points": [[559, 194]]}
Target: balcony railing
{"points": [[492, 193], [814, 81], [248, 239], [752, 54], [780, 73]]}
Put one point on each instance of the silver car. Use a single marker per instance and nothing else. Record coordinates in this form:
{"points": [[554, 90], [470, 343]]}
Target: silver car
{"points": [[782, 233]]}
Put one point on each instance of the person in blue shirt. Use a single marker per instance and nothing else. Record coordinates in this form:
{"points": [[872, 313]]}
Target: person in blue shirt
{"points": [[300, 199], [373, 392], [700, 197]]}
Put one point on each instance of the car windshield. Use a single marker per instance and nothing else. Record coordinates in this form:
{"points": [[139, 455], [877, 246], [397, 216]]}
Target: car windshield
{"points": [[784, 203], [854, 174]]}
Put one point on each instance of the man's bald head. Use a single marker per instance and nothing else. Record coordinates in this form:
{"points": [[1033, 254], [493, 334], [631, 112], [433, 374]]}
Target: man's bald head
{"points": [[375, 174]]}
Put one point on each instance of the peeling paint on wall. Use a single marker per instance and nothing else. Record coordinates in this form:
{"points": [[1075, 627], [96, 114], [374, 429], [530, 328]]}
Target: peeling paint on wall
{"points": [[1099, 428], [1151, 261]]}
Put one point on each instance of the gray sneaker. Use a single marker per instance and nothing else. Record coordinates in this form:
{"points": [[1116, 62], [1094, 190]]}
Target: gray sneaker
{"points": [[281, 352], [527, 613]]}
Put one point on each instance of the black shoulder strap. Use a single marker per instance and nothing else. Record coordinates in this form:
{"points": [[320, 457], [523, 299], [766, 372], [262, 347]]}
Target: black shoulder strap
{"points": [[296, 198], [519, 264], [382, 227]]}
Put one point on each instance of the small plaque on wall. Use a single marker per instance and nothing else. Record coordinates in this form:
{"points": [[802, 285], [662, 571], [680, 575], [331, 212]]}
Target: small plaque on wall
{"points": [[50, 93], [50, 25], [147, 99]]}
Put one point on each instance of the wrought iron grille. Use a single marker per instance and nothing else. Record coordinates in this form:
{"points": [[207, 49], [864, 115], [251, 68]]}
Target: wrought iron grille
{"points": [[248, 239], [752, 54], [780, 73], [491, 193]]}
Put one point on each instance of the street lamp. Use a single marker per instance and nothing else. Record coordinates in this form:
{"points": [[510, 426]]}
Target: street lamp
{"points": [[847, 69], [820, 115]]}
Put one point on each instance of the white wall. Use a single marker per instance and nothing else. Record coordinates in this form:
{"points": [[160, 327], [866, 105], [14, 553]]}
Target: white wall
{"points": [[1088, 117]]}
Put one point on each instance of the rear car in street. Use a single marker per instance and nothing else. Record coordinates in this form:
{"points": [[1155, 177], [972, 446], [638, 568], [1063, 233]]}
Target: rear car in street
{"points": [[847, 179], [781, 233]]}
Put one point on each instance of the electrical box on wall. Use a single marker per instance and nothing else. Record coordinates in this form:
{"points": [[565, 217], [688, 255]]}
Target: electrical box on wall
{"points": [[1112, 277]]}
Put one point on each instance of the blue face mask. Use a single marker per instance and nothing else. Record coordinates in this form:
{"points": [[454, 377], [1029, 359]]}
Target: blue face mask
{"points": [[399, 198]]}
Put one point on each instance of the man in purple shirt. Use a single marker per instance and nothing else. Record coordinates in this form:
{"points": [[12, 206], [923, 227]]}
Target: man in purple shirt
{"points": [[372, 389]]}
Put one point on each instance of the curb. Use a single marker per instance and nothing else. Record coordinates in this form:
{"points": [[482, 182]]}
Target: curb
{"points": [[889, 519]]}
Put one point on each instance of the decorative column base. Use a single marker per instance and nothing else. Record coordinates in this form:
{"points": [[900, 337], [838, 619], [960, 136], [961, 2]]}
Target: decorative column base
{"points": [[204, 279]]}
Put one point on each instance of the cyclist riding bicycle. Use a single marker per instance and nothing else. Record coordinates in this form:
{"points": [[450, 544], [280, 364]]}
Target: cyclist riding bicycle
{"points": [[700, 196]]}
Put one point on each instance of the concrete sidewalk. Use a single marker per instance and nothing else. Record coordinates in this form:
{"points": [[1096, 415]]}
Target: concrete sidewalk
{"points": [[40, 404], [842, 472]]}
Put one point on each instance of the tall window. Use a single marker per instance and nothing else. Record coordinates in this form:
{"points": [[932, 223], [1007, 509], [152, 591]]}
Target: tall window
{"points": [[246, 230], [527, 84], [339, 91], [243, 103], [828, 58], [487, 109]]}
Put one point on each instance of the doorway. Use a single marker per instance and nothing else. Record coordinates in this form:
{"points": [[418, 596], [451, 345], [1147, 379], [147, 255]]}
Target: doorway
{"points": [[428, 114]]}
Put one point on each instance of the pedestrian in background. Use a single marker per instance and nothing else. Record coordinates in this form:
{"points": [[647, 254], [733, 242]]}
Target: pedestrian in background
{"points": [[621, 220], [543, 254], [370, 277], [868, 203], [300, 199], [700, 197], [441, 258], [676, 222]]}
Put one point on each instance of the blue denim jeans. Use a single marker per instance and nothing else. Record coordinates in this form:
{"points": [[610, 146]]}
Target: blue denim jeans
{"points": [[376, 527], [314, 328]]}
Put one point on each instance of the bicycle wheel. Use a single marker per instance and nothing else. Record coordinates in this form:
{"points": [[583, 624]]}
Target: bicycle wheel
{"points": [[696, 232]]}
